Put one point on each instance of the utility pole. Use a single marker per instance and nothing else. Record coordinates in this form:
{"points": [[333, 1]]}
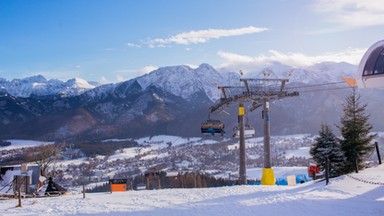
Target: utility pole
{"points": [[267, 134], [268, 177], [242, 170]]}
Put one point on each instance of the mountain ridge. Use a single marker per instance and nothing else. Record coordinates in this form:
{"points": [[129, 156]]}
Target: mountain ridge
{"points": [[172, 101]]}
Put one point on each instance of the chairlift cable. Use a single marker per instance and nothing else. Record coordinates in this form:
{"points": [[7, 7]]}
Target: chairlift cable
{"points": [[326, 89], [314, 85]]}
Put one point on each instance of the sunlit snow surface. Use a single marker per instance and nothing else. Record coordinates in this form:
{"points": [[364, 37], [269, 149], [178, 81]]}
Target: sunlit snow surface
{"points": [[343, 196], [16, 144]]}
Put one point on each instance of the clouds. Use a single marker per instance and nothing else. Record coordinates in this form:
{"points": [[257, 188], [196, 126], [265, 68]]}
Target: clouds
{"points": [[203, 36], [352, 13], [147, 69], [236, 61]]}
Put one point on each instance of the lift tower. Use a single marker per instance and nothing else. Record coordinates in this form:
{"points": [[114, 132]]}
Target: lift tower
{"points": [[259, 92]]}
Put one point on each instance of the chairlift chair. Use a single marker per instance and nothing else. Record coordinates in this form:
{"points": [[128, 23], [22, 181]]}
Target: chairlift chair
{"points": [[212, 127], [249, 131]]}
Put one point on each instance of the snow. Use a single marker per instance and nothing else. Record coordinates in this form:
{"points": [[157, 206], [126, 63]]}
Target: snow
{"points": [[17, 144], [65, 163], [346, 195], [80, 83], [163, 139], [125, 154], [155, 156], [301, 152], [184, 81], [38, 85]]}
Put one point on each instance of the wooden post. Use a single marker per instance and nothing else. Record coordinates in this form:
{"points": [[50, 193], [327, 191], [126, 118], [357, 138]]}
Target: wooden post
{"points": [[378, 152], [19, 195], [83, 191], [327, 165]]}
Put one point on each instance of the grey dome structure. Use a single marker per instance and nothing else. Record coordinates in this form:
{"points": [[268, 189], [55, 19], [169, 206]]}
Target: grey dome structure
{"points": [[370, 72]]}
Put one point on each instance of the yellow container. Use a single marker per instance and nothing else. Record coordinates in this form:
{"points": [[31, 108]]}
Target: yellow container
{"points": [[268, 177]]}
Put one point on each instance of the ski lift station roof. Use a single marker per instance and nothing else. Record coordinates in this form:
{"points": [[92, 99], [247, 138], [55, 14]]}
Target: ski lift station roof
{"points": [[370, 72]]}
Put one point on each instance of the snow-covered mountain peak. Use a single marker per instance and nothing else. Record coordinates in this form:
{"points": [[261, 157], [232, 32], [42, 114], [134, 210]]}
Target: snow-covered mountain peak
{"points": [[184, 81], [323, 72], [205, 66], [79, 83], [39, 85], [32, 79]]}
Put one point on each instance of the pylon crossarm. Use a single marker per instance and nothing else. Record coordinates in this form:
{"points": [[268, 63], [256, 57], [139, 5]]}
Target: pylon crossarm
{"points": [[255, 97]]}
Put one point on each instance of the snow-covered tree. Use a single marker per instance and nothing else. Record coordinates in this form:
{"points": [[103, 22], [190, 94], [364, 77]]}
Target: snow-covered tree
{"points": [[327, 147], [355, 129]]}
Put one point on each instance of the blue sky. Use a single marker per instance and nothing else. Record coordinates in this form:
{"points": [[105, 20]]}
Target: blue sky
{"points": [[116, 40]]}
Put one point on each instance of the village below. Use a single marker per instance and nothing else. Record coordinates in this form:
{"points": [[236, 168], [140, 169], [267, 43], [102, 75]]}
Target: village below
{"points": [[189, 164]]}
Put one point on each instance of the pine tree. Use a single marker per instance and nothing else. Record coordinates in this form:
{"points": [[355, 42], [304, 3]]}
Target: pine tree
{"points": [[355, 130], [327, 147]]}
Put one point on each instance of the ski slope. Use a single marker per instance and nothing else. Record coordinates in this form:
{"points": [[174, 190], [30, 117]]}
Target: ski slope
{"points": [[353, 195]]}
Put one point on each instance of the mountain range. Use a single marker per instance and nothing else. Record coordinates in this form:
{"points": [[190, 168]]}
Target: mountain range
{"points": [[170, 100]]}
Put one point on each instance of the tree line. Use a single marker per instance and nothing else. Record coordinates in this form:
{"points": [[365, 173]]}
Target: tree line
{"points": [[186, 180]]}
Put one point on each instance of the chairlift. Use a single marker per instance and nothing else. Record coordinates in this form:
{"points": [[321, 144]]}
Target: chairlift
{"points": [[249, 131], [212, 127], [370, 73]]}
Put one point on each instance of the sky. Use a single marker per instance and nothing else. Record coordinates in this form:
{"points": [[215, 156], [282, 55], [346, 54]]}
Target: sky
{"points": [[116, 40]]}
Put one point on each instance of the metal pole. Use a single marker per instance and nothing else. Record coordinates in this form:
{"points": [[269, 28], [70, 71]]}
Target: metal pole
{"points": [[267, 134], [327, 172], [378, 152], [242, 171]]}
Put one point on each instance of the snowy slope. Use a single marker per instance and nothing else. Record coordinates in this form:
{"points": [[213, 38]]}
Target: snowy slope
{"points": [[39, 85], [359, 194]]}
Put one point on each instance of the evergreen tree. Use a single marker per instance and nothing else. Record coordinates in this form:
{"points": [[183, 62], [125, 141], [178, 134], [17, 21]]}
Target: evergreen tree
{"points": [[355, 128], [327, 147]]}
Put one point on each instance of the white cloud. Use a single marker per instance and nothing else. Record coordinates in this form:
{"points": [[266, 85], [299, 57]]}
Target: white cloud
{"points": [[235, 61], [120, 78], [147, 69], [132, 45], [353, 13], [103, 80], [203, 36], [111, 49]]}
